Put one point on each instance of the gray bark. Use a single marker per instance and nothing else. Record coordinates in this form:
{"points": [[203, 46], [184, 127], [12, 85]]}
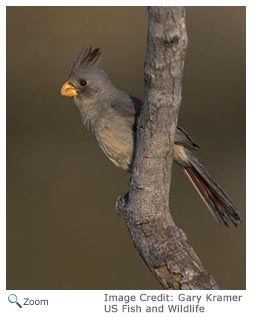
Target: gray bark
{"points": [[162, 245]]}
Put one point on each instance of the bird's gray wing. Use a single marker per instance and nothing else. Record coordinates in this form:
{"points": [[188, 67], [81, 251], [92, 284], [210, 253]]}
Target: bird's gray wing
{"points": [[184, 138], [127, 105]]}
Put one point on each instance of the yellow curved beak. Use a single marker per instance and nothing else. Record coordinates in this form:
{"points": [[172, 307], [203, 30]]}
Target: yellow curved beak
{"points": [[67, 90]]}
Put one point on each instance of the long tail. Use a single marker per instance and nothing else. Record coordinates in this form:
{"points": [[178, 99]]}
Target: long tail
{"points": [[217, 201]]}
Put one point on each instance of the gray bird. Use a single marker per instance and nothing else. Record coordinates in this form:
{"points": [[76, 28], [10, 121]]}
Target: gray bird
{"points": [[111, 114]]}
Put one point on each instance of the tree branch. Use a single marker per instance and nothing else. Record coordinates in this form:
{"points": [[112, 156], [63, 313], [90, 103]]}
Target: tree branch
{"points": [[162, 245]]}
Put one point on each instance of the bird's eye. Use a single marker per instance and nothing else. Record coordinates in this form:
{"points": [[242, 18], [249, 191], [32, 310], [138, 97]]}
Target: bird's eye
{"points": [[82, 82]]}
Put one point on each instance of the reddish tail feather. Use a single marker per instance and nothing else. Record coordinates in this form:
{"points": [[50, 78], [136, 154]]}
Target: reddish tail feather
{"points": [[217, 201]]}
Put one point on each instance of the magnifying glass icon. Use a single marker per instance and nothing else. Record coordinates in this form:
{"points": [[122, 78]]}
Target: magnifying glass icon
{"points": [[13, 299]]}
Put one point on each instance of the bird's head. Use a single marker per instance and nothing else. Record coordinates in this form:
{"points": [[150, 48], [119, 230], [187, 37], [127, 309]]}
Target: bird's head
{"points": [[87, 80]]}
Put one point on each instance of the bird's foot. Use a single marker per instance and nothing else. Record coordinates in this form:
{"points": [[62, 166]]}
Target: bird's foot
{"points": [[121, 204]]}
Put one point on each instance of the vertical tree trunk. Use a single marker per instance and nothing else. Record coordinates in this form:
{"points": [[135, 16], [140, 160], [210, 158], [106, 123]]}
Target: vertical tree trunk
{"points": [[161, 244]]}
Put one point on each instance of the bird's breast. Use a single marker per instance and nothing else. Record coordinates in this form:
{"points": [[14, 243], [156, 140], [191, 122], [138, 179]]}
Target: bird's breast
{"points": [[116, 140]]}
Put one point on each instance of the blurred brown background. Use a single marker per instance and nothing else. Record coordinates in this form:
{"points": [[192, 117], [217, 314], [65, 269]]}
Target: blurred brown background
{"points": [[62, 228]]}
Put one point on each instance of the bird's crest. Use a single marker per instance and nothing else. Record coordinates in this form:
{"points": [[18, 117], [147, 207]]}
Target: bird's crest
{"points": [[86, 58]]}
